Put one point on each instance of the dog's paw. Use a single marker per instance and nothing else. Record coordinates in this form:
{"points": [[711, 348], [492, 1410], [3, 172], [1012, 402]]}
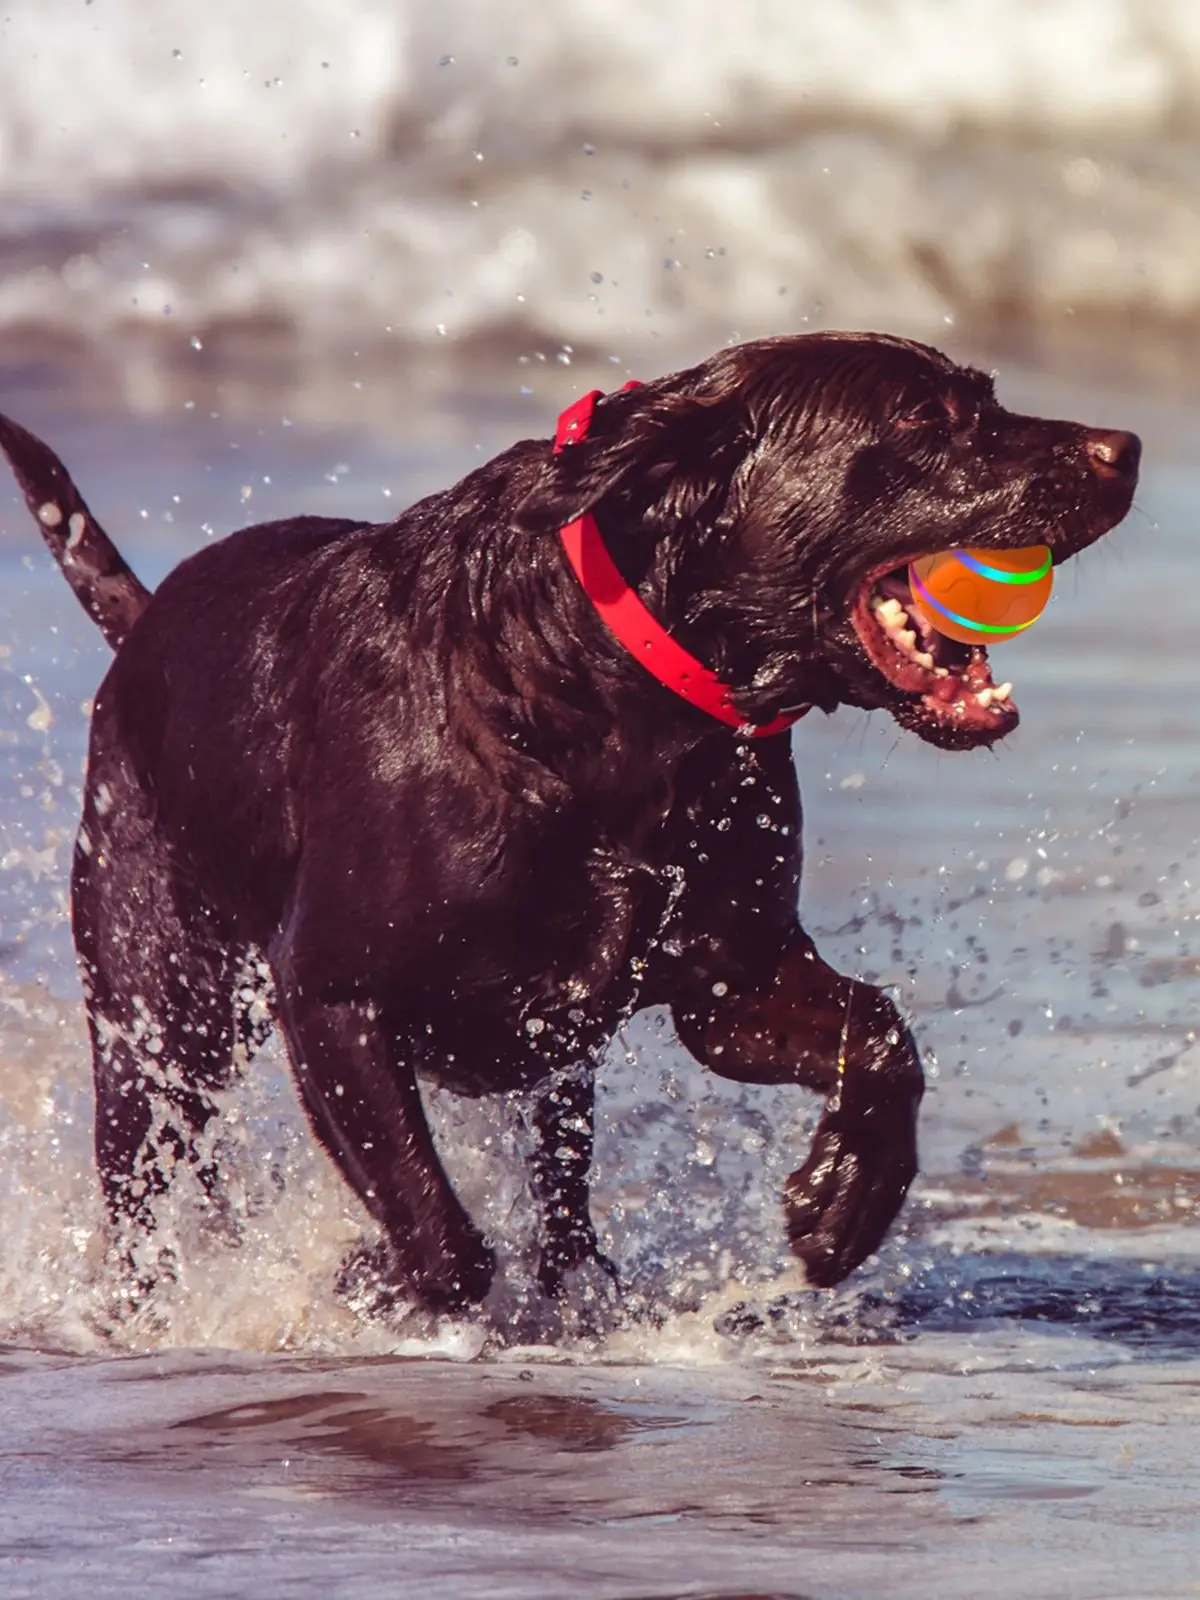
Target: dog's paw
{"points": [[462, 1282], [586, 1298], [132, 1298], [367, 1283], [843, 1200], [377, 1283], [577, 1260]]}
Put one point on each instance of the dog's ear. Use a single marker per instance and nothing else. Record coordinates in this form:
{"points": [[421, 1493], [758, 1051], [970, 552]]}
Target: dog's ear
{"points": [[662, 454]]}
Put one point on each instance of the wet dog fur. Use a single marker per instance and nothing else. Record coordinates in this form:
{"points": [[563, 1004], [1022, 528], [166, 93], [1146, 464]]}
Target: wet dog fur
{"points": [[406, 765]]}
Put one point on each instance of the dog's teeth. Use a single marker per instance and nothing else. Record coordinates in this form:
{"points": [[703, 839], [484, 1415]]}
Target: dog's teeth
{"points": [[889, 608], [905, 638], [923, 658], [984, 696], [941, 672], [1003, 692]]}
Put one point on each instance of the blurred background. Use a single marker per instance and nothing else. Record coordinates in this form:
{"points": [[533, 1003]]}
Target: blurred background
{"points": [[392, 192]]}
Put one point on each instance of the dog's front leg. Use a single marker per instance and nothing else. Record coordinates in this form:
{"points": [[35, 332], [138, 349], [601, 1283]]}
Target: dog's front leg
{"points": [[362, 1099], [564, 1129], [810, 1025]]}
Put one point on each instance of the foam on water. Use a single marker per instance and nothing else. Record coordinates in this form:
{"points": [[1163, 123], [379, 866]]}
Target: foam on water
{"points": [[258, 1273], [403, 173]]}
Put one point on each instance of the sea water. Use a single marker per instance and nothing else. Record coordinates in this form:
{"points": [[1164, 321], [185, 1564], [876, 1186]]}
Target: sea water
{"points": [[1003, 1401], [258, 262]]}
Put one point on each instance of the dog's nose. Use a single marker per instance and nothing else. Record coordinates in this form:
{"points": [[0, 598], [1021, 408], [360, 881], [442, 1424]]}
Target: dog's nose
{"points": [[1114, 455]]}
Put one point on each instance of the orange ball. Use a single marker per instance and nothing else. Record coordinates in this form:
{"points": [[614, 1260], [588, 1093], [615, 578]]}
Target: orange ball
{"points": [[982, 596]]}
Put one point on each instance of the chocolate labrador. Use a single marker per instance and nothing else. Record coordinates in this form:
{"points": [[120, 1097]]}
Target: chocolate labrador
{"points": [[479, 783]]}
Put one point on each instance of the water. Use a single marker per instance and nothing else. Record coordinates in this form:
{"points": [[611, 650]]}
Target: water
{"points": [[975, 1413], [832, 1475], [393, 180], [258, 262]]}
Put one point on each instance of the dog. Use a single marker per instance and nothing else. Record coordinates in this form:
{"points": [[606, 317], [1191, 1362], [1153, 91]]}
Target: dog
{"points": [[480, 782]]}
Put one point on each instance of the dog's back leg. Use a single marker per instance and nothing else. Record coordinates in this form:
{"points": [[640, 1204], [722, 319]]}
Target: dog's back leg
{"points": [[353, 1057], [159, 980]]}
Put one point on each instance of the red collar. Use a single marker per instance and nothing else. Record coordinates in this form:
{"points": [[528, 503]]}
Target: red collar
{"points": [[627, 618]]}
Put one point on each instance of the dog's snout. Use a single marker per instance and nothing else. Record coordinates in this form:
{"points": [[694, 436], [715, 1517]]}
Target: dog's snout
{"points": [[1114, 455]]}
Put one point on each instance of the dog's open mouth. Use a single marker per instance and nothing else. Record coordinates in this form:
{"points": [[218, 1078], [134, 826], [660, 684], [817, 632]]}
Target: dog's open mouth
{"points": [[950, 696]]}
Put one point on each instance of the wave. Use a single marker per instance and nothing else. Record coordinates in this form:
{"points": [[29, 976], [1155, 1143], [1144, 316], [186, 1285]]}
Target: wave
{"points": [[393, 174]]}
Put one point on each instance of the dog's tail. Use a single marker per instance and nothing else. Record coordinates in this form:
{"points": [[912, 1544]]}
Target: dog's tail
{"points": [[103, 582]]}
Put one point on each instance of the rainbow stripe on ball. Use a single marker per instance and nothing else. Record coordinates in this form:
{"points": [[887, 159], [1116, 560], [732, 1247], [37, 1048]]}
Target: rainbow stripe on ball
{"points": [[1003, 574], [994, 575]]}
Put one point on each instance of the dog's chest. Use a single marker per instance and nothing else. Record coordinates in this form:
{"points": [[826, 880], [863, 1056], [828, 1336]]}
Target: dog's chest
{"points": [[571, 966], [599, 923]]}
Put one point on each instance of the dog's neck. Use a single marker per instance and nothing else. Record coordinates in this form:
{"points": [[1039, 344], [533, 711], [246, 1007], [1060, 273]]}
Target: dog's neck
{"points": [[633, 624], [769, 681], [639, 632]]}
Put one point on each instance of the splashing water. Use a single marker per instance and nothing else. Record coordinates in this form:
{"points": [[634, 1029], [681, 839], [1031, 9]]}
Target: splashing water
{"points": [[1024, 1343]]}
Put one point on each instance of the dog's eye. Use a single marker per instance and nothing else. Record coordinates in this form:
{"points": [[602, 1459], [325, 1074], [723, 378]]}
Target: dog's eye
{"points": [[930, 413]]}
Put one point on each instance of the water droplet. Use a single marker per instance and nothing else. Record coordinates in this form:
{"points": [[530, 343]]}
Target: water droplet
{"points": [[196, 342], [597, 277], [446, 61], [719, 989]]}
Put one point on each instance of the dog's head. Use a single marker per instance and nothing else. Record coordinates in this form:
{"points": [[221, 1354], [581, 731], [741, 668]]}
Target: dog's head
{"points": [[768, 502]]}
